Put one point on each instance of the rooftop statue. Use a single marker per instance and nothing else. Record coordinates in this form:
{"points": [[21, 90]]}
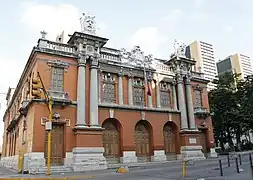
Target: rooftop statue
{"points": [[88, 24], [179, 48]]}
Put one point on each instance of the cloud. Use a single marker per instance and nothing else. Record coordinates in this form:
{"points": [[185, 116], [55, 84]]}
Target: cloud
{"points": [[149, 39], [54, 19], [174, 16]]}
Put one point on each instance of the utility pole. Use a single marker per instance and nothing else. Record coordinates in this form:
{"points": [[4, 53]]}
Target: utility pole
{"points": [[49, 135]]}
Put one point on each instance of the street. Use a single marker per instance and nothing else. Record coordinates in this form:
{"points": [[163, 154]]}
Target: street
{"points": [[207, 170]]}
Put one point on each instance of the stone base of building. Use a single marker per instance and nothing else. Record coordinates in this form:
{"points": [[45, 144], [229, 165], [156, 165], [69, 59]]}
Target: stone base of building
{"points": [[10, 162], [159, 155], [192, 153], [212, 153], [87, 159], [128, 157]]}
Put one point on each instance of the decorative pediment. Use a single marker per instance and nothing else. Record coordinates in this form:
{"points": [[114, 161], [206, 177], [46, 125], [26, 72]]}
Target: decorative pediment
{"points": [[58, 63], [137, 58]]}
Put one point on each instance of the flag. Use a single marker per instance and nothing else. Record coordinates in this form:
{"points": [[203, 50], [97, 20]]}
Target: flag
{"points": [[147, 84]]}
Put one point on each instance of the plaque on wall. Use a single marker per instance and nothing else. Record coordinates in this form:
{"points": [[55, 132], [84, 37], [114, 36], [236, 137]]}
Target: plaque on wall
{"points": [[192, 140]]}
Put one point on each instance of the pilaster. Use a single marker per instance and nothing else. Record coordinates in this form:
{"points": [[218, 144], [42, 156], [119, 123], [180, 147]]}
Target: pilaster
{"points": [[158, 99], [120, 87], [174, 93], [130, 89]]}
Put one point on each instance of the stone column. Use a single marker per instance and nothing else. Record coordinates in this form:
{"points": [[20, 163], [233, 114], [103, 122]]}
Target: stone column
{"points": [[181, 102], [130, 90], [174, 93], [80, 122], [158, 100], [93, 92], [190, 104], [120, 88], [99, 85]]}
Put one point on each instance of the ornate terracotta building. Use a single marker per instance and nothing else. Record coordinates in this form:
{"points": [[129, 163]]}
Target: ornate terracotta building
{"points": [[110, 106]]}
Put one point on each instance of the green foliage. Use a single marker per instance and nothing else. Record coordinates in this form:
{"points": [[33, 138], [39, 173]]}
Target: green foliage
{"points": [[232, 105]]}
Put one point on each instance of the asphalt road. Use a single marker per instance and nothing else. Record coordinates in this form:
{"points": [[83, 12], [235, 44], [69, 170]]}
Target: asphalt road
{"points": [[199, 170]]}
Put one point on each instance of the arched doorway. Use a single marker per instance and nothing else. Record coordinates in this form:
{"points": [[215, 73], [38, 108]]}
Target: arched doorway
{"points": [[169, 141], [142, 141], [111, 140]]}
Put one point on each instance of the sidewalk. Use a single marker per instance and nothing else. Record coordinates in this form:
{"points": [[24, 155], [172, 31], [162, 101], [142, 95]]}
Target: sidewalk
{"points": [[172, 165]]}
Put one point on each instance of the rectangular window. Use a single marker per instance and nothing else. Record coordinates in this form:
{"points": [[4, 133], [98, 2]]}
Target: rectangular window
{"points": [[198, 100], [165, 94], [57, 79], [138, 93], [108, 88]]}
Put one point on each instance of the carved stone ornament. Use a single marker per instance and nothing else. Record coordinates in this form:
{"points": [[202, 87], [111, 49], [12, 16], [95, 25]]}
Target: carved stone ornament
{"points": [[81, 59], [58, 63], [179, 78], [179, 48], [94, 62], [43, 34], [143, 115], [136, 57], [88, 24], [121, 71]]}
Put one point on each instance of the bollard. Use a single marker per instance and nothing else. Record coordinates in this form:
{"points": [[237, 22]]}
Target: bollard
{"points": [[228, 161], [250, 159], [184, 168], [237, 166], [240, 159], [251, 169], [221, 170]]}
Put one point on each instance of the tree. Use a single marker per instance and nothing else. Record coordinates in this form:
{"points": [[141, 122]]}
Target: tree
{"points": [[225, 105]]}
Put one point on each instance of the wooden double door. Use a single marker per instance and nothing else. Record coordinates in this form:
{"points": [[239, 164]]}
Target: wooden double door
{"points": [[203, 141], [111, 142], [169, 142], [57, 145], [142, 142]]}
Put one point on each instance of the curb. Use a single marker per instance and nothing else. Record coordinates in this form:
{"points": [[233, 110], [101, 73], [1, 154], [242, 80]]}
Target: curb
{"points": [[52, 178]]}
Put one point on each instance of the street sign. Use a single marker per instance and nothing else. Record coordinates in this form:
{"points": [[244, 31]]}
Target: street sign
{"points": [[48, 126]]}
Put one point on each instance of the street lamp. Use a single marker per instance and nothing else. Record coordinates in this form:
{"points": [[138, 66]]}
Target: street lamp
{"points": [[24, 107]]}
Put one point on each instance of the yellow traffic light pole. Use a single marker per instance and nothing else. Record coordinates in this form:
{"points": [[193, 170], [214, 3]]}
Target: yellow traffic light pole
{"points": [[50, 117]]}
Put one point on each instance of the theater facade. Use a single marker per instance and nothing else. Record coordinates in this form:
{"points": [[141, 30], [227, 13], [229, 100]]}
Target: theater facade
{"points": [[110, 106]]}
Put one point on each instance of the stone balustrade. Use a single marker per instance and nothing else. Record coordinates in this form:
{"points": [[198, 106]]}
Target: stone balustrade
{"points": [[46, 44]]}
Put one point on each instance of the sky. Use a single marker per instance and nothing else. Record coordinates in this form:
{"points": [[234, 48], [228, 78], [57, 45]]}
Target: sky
{"points": [[153, 25]]}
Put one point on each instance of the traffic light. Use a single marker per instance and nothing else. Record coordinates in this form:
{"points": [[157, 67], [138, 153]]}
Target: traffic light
{"points": [[36, 88]]}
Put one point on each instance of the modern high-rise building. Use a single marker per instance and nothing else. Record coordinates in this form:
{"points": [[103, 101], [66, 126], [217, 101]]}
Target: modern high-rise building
{"points": [[203, 54], [236, 63]]}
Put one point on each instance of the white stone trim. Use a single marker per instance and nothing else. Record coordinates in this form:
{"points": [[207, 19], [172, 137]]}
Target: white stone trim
{"points": [[192, 153], [129, 157], [32, 162], [68, 160], [88, 158], [159, 155]]}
